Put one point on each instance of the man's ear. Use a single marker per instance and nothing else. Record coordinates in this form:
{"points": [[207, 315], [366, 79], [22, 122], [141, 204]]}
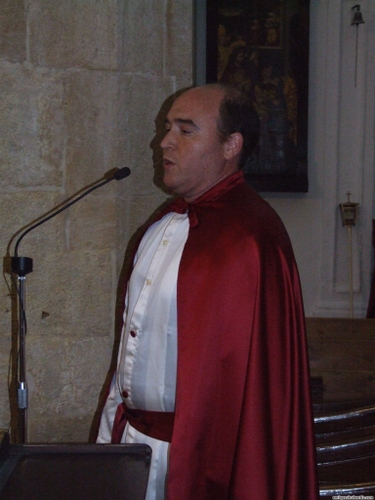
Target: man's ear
{"points": [[233, 145]]}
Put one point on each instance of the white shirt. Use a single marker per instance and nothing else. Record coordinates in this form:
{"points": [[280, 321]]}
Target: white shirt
{"points": [[147, 361]]}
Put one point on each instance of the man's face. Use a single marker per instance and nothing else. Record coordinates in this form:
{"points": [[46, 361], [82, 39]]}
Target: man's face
{"points": [[194, 158]]}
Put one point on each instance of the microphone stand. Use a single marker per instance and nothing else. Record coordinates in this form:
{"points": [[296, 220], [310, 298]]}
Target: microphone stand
{"points": [[21, 266]]}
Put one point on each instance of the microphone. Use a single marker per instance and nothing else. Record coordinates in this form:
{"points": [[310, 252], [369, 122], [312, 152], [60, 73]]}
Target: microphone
{"points": [[24, 265], [121, 173]]}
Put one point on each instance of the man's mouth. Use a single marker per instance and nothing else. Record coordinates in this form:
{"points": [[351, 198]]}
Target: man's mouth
{"points": [[167, 163]]}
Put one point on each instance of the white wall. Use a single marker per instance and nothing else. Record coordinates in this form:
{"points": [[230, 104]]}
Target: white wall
{"points": [[341, 159]]}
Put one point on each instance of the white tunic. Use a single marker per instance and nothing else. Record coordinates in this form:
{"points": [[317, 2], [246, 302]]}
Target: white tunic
{"points": [[147, 361]]}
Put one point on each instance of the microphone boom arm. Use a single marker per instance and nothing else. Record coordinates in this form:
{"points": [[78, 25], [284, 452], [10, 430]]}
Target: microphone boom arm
{"points": [[24, 265], [118, 175]]}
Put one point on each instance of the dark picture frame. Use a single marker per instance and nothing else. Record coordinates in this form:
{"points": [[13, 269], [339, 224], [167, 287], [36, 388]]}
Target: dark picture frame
{"points": [[262, 47]]}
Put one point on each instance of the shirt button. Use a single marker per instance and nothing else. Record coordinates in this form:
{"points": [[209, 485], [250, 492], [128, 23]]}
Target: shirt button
{"points": [[165, 242], [148, 282], [133, 334], [125, 394]]}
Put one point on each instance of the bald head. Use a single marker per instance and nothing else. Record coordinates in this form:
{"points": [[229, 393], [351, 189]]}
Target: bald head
{"points": [[196, 155], [236, 114]]}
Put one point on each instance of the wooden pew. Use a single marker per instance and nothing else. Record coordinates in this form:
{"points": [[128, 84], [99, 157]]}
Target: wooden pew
{"points": [[345, 443], [342, 364]]}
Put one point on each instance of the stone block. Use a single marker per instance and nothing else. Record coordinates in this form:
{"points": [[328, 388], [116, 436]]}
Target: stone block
{"points": [[5, 346], [13, 30], [92, 114], [16, 211], [57, 428], [65, 378], [69, 34], [92, 224], [31, 127], [6, 313], [179, 37], [144, 30], [71, 294], [19, 211]]}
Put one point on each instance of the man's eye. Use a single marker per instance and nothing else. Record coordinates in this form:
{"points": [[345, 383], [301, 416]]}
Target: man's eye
{"points": [[185, 131]]}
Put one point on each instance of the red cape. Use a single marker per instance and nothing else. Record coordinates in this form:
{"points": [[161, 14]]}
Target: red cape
{"points": [[244, 427]]}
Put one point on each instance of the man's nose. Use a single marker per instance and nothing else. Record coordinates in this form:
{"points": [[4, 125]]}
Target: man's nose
{"points": [[168, 140]]}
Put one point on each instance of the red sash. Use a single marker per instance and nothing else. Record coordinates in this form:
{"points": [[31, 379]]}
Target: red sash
{"points": [[156, 424]]}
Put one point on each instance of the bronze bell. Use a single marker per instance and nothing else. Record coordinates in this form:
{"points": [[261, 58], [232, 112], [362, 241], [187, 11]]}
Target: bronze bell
{"points": [[357, 18]]}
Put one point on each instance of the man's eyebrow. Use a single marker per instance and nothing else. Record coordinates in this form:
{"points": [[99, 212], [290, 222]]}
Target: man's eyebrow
{"points": [[182, 121]]}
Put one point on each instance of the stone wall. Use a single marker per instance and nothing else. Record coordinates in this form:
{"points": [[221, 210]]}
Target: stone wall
{"points": [[82, 84]]}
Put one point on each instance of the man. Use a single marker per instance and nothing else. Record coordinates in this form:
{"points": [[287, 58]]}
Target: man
{"points": [[212, 368]]}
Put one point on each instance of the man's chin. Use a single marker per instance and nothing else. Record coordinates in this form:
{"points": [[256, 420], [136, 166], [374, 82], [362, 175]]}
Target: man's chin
{"points": [[168, 187], [168, 182]]}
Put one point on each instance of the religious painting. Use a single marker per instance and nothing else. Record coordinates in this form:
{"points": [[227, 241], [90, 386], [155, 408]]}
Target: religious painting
{"points": [[262, 47]]}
